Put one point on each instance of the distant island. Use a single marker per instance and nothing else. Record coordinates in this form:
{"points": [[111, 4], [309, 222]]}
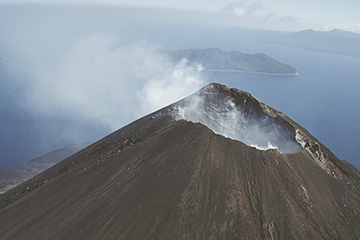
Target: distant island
{"points": [[335, 41], [214, 59]]}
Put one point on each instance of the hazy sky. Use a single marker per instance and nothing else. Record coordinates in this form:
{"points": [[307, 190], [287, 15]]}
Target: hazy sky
{"points": [[319, 15]]}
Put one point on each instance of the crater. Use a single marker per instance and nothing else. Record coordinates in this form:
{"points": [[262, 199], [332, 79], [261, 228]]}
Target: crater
{"points": [[238, 115]]}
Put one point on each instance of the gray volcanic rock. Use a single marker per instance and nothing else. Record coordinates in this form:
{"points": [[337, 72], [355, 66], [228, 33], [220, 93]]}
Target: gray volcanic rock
{"points": [[215, 59], [162, 177], [13, 176]]}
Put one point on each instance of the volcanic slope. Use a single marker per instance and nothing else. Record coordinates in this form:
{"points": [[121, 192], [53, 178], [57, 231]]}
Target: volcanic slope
{"points": [[12, 176], [163, 177]]}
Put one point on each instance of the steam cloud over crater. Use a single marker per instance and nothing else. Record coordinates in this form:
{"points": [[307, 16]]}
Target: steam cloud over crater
{"points": [[103, 81], [226, 116]]}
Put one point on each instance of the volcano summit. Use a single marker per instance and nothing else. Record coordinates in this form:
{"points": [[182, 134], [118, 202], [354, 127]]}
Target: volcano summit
{"points": [[219, 164]]}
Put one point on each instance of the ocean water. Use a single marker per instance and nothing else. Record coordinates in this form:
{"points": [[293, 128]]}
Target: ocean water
{"points": [[324, 97]]}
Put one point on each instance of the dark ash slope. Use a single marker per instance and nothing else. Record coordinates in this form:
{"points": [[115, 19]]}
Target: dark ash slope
{"points": [[158, 178]]}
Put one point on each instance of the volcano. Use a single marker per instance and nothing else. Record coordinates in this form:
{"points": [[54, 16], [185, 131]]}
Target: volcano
{"points": [[12, 176], [219, 164]]}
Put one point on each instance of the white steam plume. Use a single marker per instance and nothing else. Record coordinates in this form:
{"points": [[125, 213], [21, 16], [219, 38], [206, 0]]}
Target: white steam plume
{"points": [[101, 81], [222, 115]]}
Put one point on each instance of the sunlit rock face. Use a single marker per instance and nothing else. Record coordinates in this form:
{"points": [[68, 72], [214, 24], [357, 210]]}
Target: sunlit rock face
{"points": [[239, 116]]}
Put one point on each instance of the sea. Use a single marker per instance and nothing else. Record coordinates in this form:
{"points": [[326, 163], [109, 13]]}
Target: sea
{"points": [[324, 96]]}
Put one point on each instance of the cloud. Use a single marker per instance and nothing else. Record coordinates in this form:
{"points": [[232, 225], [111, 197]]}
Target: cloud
{"points": [[256, 15], [270, 17], [239, 11], [102, 81], [274, 17], [225, 117], [287, 19], [175, 83], [242, 8]]}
